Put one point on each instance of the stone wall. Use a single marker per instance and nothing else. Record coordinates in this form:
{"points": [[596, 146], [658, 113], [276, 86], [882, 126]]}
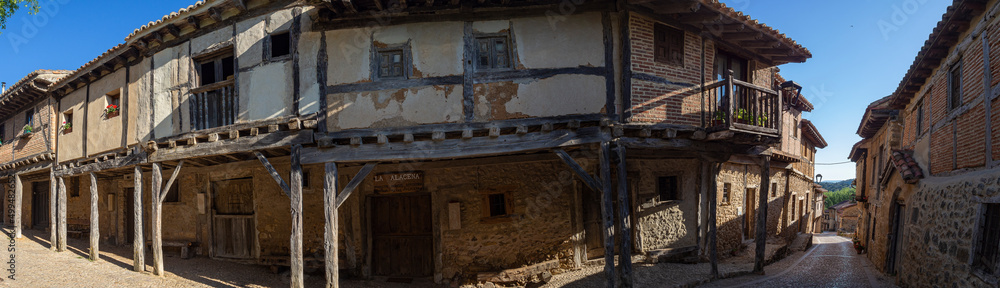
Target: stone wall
{"points": [[943, 216], [666, 224]]}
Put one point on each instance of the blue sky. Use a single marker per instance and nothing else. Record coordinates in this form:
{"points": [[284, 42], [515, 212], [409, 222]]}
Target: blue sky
{"points": [[860, 49]]}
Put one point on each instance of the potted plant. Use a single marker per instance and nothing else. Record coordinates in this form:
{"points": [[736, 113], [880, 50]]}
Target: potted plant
{"points": [[28, 130], [67, 127], [111, 111], [743, 116], [858, 247], [719, 119], [761, 120]]}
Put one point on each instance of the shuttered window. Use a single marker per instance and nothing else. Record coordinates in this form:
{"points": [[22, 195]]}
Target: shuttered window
{"points": [[492, 53], [955, 86], [668, 45], [213, 103]]}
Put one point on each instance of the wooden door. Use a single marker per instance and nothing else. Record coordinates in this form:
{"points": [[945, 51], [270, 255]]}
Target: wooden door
{"points": [[40, 204], [402, 242], [234, 233], [128, 225], [593, 224], [750, 217]]}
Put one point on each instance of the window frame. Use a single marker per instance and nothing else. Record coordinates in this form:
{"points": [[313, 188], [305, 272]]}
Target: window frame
{"points": [[669, 43], [981, 242], [487, 206], [406, 61], [677, 183], [955, 84], [29, 117], [115, 95], [217, 58], [920, 117], [67, 117], [198, 116], [269, 51], [727, 194], [492, 67]]}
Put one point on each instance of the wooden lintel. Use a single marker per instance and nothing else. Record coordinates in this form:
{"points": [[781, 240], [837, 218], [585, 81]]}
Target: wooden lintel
{"points": [[579, 171], [274, 174], [351, 186]]}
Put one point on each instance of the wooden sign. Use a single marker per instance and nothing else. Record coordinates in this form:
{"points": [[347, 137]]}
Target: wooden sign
{"points": [[399, 182]]}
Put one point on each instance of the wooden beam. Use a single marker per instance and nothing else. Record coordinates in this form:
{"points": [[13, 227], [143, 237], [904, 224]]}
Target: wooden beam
{"points": [[228, 146], [62, 215], [713, 227], [735, 37], [624, 221], [378, 5], [607, 213], [138, 245], [18, 205], [761, 240], [351, 186], [240, 5], [95, 225], [699, 18], [194, 22], [215, 13], [296, 204], [274, 173], [53, 210], [330, 209], [677, 7], [578, 170], [172, 30], [170, 182]]}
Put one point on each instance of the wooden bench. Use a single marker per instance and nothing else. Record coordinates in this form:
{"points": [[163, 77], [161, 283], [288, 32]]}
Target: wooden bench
{"points": [[185, 246], [76, 228]]}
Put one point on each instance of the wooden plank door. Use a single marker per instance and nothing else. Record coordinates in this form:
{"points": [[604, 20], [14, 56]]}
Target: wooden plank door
{"points": [[234, 233], [40, 205], [593, 224], [402, 242]]}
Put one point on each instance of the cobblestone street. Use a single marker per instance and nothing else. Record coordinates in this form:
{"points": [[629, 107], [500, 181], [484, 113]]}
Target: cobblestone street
{"points": [[831, 262]]}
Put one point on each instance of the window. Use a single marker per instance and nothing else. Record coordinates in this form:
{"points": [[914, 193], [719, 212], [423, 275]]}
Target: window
{"points": [[666, 187], [793, 208], [281, 44], [213, 103], [492, 53], [28, 116], [955, 86], [3, 133], [67, 124], [725, 193], [668, 45], [174, 194], [725, 62], [774, 189], [498, 205], [73, 186], [114, 101], [391, 63], [989, 239], [920, 117]]}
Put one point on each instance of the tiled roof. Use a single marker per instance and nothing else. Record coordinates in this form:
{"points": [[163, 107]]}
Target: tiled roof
{"points": [[54, 75], [857, 150], [907, 167], [872, 121], [812, 134], [167, 18], [747, 20]]}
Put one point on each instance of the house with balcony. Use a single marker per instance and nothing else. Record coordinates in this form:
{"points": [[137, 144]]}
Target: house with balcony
{"points": [[927, 174], [413, 139]]}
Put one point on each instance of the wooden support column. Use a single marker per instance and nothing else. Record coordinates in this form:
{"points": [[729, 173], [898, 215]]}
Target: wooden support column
{"points": [[713, 198], [138, 253], [53, 211], [95, 225], [607, 210], [765, 182], [624, 221], [18, 201], [62, 215], [296, 201], [157, 197], [330, 235]]}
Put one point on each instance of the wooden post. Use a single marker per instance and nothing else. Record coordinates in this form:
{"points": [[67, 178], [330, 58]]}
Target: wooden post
{"points": [[713, 198], [53, 221], [624, 221], [95, 225], [155, 205], [62, 215], [296, 203], [730, 98], [18, 201], [330, 239], [765, 182], [607, 211], [138, 253]]}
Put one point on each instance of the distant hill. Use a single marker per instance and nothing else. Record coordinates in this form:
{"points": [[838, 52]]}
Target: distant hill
{"points": [[836, 185]]}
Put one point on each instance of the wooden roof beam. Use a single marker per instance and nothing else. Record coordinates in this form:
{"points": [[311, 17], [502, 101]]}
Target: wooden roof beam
{"points": [[172, 30], [240, 5], [347, 5], [378, 5], [676, 7], [742, 36], [692, 18], [194, 22], [760, 44], [215, 13]]}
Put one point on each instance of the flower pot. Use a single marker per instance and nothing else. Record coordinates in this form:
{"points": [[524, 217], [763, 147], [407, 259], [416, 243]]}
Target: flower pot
{"points": [[718, 122], [112, 114], [67, 130]]}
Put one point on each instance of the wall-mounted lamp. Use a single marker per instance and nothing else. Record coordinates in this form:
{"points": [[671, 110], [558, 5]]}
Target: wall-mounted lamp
{"points": [[791, 86], [819, 178]]}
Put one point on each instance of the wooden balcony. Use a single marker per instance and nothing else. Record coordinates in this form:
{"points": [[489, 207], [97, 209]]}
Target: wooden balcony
{"points": [[213, 105], [741, 107]]}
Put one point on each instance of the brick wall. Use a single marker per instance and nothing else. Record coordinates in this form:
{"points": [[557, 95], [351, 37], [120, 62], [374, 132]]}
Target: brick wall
{"points": [[14, 147]]}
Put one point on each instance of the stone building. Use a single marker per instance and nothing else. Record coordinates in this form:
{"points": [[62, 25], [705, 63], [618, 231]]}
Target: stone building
{"points": [[847, 214], [927, 174], [459, 141], [829, 220]]}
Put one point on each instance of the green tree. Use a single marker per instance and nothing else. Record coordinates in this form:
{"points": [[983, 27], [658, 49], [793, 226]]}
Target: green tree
{"points": [[835, 197], [8, 7]]}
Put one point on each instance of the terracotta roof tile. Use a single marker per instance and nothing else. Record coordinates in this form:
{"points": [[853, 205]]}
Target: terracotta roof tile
{"points": [[907, 167]]}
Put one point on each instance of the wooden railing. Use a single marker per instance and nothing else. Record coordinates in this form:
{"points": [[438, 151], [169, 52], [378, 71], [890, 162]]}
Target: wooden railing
{"points": [[213, 105], [742, 107]]}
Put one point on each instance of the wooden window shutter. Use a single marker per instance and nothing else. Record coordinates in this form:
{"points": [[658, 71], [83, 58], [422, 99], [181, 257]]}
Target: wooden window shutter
{"points": [[676, 47], [668, 45]]}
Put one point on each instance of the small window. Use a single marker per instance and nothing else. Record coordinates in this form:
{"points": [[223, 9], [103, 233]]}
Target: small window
{"points": [[28, 116], [3, 133], [391, 64], [793, 208], [281, 45], [73, 186], [668, 45], [498, 205], [955, 86], [989, 239], [174, 194], [492, 53], [114, 101], [216, 69], [920, 117], [305, 178], [67, 122], [725, 193], [667, 188], [774, 189]]}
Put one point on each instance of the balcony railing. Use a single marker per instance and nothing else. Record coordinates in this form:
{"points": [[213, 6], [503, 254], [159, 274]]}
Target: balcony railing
{"points": [[742, 107], [213, 105]]}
